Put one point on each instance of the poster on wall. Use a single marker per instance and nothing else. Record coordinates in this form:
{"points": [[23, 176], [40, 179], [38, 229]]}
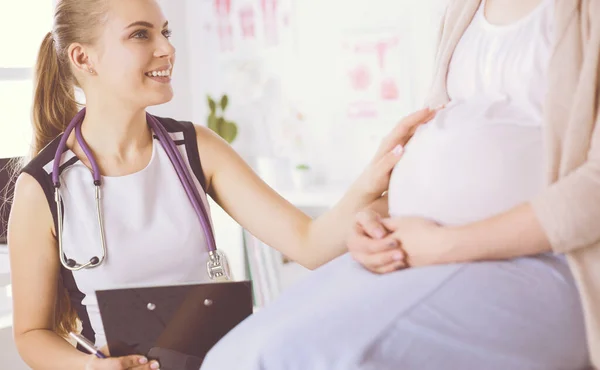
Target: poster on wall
{"points": [[257, 24], [247, 19], [270, 16], [375, 78], [224, 24], [245, 47]]}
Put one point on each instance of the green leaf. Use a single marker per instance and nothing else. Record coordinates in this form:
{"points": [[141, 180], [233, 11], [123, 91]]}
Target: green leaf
{"points": [[229, 131], [224, 102], [211, 104], [212, 123], [220, 124]]}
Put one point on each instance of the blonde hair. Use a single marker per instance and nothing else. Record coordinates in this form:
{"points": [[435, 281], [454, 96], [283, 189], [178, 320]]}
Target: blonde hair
{"points": [[54, 102]]}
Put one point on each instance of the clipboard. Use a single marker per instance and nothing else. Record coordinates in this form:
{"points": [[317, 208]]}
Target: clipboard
{"points": [[176, 325]]}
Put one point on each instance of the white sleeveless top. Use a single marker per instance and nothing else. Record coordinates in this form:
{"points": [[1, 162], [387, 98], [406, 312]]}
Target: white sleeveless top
{"points": [[153, 235], [483, 153]]}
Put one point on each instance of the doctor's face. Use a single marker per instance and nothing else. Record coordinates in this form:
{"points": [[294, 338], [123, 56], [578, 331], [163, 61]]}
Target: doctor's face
{"points": [[134, 57]]}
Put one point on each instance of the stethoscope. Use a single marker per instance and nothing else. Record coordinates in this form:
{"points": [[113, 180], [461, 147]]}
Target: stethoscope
{"points": [[217, 266]]}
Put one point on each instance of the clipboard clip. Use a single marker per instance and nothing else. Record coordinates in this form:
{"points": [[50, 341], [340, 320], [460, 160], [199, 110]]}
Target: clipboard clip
{"points": [[217, 266]]}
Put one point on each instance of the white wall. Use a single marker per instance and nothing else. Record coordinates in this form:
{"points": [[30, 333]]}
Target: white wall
{"points": [[306, 70]]}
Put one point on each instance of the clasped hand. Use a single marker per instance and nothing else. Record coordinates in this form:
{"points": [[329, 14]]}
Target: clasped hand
{"points": [[383, 245]]}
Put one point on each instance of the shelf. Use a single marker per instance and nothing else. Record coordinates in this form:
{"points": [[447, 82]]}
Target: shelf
{"points": [[6, 321]]}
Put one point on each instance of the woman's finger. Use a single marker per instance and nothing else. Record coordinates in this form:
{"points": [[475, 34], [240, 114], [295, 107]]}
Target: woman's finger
{"points": [[152, 365], [391, 267], [361, 243], [405, 129], [387, 162], [137, 362], [370, 223], [375, 261]]}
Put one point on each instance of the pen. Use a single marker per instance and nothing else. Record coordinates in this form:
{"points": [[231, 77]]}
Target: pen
{"points": [[89, 346]]}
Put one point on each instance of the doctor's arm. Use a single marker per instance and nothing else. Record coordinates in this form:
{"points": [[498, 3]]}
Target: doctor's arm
{"points": [[278, 223], [35, 269]]}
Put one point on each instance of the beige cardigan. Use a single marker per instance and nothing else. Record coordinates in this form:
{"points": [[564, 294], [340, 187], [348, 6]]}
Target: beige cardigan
{"points": [[569, 208]]}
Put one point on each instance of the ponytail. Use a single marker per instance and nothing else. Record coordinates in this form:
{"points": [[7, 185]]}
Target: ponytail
{"points": [[54, 106], [54, 102]]}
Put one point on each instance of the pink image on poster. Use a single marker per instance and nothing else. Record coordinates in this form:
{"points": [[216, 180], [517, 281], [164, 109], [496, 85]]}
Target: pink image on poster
{"points": [[371, 62], [362, 110], [224, 27], [270, 9], [360, 78], [247, 22], [389, 89]]}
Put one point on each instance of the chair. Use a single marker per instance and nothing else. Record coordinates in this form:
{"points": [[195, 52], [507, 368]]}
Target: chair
{"points": [[6, 191]]}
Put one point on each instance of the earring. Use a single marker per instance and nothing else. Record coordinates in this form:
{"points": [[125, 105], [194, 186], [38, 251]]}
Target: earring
{"points": [[91, 71]]}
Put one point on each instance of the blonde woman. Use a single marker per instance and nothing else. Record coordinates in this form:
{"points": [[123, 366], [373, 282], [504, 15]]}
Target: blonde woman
{"points": [[119, 53]]}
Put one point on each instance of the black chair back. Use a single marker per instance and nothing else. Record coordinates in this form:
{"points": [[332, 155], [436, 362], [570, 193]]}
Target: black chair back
{"points": [[7, 187]]}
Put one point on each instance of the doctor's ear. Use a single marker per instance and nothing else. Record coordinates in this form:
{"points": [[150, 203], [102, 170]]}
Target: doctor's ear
{"points": [[79, 57]]}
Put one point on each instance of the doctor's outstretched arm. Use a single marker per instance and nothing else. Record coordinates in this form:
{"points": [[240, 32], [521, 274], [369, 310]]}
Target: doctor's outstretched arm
{"points": [[275, 221]]}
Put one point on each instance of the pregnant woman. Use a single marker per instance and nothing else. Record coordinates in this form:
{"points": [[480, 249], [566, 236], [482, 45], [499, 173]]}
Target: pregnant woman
{"points": [[465, 274]]}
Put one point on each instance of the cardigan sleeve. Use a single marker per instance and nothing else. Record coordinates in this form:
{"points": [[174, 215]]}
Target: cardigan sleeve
{"points": [[432, 99], [569, 209]]}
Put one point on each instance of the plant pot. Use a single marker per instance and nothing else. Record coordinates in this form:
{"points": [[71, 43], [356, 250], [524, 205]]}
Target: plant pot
{"points": [[273, 171], [302, 179]]}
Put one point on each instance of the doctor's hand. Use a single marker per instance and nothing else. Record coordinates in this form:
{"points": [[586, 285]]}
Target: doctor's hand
{"points": [[133, 362], [373, 246], [376, 177]]}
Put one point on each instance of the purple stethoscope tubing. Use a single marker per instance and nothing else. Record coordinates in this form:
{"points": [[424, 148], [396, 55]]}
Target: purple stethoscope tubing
{"points": [[180, 168]]}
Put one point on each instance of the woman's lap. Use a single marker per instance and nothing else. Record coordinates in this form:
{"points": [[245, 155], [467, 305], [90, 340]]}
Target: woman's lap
{"points": [[520, 314]]}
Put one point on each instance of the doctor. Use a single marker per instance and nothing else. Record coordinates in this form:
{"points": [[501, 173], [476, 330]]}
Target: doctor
{"points": [[119, 53]]}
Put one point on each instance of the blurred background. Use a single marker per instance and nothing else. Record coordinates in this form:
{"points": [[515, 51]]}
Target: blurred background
{"points": [[311, 87]]}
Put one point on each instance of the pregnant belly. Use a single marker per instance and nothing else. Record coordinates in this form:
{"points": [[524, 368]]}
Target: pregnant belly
{"points": [[467, 173]]}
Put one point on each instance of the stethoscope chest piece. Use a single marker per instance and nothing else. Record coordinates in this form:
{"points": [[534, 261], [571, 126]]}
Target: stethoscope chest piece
{"points": [[217, 266]]}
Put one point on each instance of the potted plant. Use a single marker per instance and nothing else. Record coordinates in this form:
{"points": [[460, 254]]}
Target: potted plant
{"points": [[302, 176], [216, 121]]}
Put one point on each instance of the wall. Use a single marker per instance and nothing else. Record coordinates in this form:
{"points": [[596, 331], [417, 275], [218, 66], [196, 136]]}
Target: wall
{"points": [[306, 71]]}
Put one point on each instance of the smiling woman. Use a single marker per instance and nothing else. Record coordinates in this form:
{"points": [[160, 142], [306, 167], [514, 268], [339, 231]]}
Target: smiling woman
{"points": [[108, 53], [120, 55]]}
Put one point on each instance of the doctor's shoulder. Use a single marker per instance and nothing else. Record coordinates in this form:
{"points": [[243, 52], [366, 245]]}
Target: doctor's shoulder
{"points": [[202, 143], [30, 220], [33, 194]]}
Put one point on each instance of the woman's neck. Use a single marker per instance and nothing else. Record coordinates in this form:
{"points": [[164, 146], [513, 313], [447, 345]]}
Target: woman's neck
{"points": [[116, 134], [120, 140], [504, 12]]}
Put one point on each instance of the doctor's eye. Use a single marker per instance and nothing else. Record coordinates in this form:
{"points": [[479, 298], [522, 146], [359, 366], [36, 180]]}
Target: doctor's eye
{"points": [[141, 34]]}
